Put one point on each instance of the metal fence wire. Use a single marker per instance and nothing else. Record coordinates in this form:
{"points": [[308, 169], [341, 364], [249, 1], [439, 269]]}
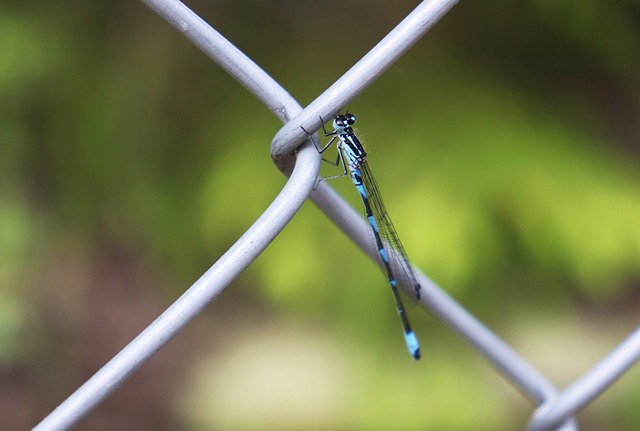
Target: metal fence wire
{"points": [[294, 154]]}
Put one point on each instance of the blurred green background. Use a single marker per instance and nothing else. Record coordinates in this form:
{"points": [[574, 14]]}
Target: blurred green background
{"points": [[505, 144]]}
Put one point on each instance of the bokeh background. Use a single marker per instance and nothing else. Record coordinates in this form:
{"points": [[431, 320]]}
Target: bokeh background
{"points": [[505, 144]]}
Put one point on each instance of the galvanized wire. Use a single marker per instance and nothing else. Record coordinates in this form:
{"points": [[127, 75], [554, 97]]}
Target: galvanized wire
{"points": [[301, 161]]}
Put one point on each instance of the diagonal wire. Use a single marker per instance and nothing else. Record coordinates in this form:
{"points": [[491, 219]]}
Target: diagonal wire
{"points": [[589, 386]]}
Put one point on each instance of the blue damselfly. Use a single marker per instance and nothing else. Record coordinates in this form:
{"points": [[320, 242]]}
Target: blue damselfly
{"points": [[351, 155]]}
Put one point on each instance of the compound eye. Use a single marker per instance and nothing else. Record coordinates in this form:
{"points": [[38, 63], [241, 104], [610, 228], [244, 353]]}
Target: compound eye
{"points": [[351, 119], [340, 121]]}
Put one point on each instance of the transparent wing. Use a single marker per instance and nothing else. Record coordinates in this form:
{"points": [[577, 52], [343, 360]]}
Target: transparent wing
{"points": [[398, 257]]}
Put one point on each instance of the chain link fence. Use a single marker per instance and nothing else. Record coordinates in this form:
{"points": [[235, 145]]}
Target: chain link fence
{"points": [[295, 155]]}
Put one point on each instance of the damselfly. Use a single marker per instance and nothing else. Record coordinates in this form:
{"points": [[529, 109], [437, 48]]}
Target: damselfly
{"points": [[351, 155]]}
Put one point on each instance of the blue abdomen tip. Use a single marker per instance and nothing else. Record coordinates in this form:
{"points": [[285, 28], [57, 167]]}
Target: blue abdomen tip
{"points": [[412, 344]]}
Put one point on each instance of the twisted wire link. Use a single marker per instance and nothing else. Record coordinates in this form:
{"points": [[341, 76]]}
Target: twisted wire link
{"points": [[299, 160], [592, 383]]}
